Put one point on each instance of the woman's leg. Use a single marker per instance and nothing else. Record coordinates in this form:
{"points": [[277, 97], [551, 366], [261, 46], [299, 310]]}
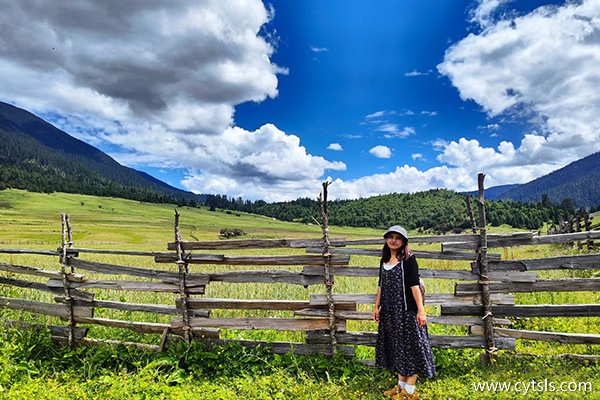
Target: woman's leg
{"points": [[411, 381]]}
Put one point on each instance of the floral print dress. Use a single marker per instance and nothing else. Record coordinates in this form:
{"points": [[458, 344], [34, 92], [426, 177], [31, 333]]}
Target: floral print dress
{"points": [[402, 346]]}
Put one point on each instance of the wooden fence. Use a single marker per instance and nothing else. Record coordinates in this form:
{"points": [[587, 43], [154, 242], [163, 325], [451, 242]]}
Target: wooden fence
{"points": [[483, 300]]}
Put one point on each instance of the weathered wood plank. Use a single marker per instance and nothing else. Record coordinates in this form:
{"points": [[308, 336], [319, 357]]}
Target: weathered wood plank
{"points": [[45, 288], [438, 341], [566, 237], [493, 241], [266, 276], [242, 304], [545, 310], [583, 261], [240, 244], [425, 273], [431, 319], [463, 321], [141, 327], [150, 308], [74, 252], [55, 330], [135, 286], [436, 255], [25, 270], [253, 260], [286, 347], [29, 251], [279, 324], [358, 298], [570, 338], [341, 314], [430, 298], [38, 307], [455, 238], [546, 285], [112, 269]]}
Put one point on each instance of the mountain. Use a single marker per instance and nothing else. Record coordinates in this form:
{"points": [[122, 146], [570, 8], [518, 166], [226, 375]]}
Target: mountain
{"points": [[578, 181], [494, 192], [37, 156]]}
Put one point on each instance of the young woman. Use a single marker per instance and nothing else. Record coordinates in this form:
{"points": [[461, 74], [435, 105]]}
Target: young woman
{"points": [[402, 342]]}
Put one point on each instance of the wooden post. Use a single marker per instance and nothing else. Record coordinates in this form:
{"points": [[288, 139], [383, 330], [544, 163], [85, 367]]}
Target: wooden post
{"points": [[588, 227], [327, 262], [66, 226], [482, 260], [471, 215], [183, 270]]}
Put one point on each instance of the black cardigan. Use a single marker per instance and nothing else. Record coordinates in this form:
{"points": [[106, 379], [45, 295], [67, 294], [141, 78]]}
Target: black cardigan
{"points": [[411, 278]]}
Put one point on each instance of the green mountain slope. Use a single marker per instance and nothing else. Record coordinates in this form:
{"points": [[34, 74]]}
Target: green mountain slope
{"points": [[37, 156], [579, 181]]}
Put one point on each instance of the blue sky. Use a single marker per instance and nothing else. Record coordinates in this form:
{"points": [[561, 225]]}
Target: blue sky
{"points": [[265, 100]]}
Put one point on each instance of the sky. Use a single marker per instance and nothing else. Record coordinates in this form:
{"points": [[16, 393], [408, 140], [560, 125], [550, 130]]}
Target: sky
{"points": [[267, 100]]}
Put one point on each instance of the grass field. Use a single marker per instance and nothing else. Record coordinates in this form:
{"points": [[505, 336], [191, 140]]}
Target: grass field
{"points": [[33, 220]]}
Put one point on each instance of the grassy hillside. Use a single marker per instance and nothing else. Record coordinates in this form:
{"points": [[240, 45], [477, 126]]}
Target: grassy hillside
{"points": [[33, 368], [36, 217]]}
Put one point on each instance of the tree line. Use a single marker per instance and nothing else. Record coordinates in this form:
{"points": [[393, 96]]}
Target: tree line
{"points": [[432, 211]]}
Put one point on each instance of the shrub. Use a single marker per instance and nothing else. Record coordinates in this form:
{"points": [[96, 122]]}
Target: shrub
{"points": [[228, 233]]}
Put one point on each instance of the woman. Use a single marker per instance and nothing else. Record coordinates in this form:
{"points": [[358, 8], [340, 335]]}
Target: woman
{"points": [[402, 341]]}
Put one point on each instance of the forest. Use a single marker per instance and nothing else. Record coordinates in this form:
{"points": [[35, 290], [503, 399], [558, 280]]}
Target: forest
{"points": [[433, 211]]}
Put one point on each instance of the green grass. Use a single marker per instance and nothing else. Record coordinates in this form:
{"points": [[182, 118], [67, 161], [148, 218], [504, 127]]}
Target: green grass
{"points": [[33, 220]]}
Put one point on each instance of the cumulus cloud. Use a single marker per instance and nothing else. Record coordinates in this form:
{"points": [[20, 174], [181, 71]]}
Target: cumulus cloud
{"points": [[483, 13], [335, 147], [392, 131], [159, 80], [543, 64], [404, 179], [381, 151]]}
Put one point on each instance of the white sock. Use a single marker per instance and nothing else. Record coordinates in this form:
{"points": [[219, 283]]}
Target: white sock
{"points": [[410, 389], [402, 384]]}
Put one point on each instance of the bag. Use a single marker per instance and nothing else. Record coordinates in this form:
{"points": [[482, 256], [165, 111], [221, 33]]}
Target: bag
{"points": [[422, 288]]}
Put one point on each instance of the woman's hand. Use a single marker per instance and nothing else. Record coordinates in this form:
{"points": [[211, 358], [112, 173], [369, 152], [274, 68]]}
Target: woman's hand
{"points": [[421, 318], [376, 314]]}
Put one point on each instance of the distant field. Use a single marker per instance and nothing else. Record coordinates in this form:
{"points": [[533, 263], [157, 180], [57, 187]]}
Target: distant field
{"points": [[33, 220], [36, 218]]}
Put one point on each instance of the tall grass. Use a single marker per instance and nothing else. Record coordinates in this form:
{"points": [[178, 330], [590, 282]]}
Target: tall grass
{"points": [[33, 220]]}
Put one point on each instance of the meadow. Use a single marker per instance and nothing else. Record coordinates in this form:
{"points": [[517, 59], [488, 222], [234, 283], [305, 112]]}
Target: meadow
{"points": [[32, 366]]}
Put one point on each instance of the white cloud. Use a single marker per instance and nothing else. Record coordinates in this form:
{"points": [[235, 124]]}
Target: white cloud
{"points": [[335, 147], [318, 49], [544, 64], [417, 156], [483, 13], [380, 114], [490, 127], [393, 132], [415, 73], [161, 81], [381, 151], [405, 179]]}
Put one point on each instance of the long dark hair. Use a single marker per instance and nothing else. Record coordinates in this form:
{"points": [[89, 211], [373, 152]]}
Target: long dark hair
{"points": [[403, 252]]}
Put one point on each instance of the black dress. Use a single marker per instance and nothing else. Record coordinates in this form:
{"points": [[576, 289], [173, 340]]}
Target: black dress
{"points": [[402, 346]]}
